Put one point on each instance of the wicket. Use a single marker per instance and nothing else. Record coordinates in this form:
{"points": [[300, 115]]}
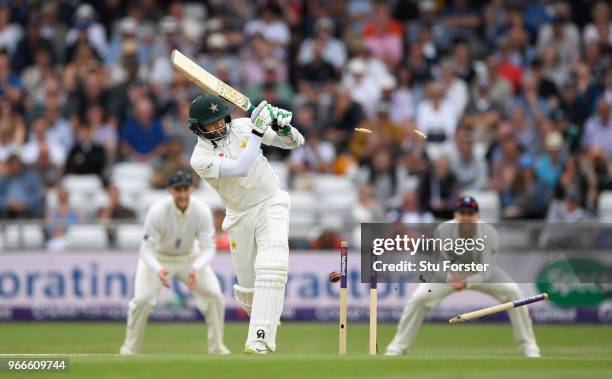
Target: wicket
{"points": [[343, 294], [373, 345]]}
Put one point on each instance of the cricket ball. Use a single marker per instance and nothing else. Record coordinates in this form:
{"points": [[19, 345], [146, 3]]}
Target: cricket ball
{"points": [[334, 276]]}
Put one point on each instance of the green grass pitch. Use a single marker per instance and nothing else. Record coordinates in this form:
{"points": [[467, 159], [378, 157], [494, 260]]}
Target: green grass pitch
{"points": [[309, 350]]}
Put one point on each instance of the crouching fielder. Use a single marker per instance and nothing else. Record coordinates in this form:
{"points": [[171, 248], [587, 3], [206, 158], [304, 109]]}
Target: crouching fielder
{"points": [[493, 282], [178, 241], [229, 158]]}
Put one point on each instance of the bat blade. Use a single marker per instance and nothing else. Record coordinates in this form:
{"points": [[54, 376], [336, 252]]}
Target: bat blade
{"points": [[208, 82]]}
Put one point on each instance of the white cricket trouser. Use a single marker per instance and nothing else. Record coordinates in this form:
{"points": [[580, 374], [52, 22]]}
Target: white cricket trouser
{"points": [[260, 255], [207, 294], [426, 296]]}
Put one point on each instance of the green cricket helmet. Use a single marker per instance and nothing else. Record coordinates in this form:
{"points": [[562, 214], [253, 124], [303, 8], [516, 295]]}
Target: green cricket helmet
{"points": [[207, 109]]}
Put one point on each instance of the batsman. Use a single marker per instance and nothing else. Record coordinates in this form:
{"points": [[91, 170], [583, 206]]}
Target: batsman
{"points": [[228, 156]]}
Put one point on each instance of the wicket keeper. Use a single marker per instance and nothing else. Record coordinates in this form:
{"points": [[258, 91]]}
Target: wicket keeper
{"points": [[178, 241], [496, 283], [229, 158]]}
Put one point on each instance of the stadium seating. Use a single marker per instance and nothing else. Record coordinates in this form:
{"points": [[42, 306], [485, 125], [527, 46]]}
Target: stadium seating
{"points": [[605, 206], [86, 237], [129, 236], [23, 236]]}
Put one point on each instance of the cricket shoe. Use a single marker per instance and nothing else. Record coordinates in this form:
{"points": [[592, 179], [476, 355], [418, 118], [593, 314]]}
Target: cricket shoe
{"points": [[257, 347], [126, 352], [393, 352], [531, 352], [219, 350]]}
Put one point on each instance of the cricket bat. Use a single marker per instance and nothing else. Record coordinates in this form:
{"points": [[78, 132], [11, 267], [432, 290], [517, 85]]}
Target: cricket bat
{"points": [[498, 308], [208, 82]]}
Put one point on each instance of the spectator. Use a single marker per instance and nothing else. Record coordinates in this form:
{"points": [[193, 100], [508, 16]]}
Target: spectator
{"points": [[482, 113], [390, 134], [461, 19], [86, 157], [469, 169], [21, 191], [172, 161], [529, 99], [49, 173], [42, 68], [333, 50], [315, 156], [384, 177], [562, 34], [319, 74], [455, 89], [522, 196], [383, 35], [411, 212], [550, 163], [114, 211], [59, 130], [504, 158], [568, 210], [128, 31], [400, 97], [41, 139], [574, 179], [86, 30], [499, 88], [10, 33], [272, 28], [438, 189], [104, 133], [11, 86], [58, 222], [418, 64], [600, 169], [435, 116], [345, 116], [12, 135], [368, 208], [363, 89], [464, 63], [429, 21], [598, 129], [28, 47], [271, 82], [600, 30], [143, 137]]}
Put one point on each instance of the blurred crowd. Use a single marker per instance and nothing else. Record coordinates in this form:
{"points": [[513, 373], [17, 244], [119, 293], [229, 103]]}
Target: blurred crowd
{"points": [[514, 96]]}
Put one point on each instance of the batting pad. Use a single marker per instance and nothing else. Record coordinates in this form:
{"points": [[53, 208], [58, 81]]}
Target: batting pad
{"points": [[271, 266], [244, 297]]}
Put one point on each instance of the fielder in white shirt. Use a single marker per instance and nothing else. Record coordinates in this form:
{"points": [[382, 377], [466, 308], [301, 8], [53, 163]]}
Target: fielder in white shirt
{"points": [[178, 241], [228, 156], [494, 282]]}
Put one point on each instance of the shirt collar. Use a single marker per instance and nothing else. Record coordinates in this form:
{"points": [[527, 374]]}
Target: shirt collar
{"points": [[178, 212]]}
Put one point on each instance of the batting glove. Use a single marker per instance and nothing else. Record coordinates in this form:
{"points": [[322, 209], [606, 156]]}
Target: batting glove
{"points": [[262, 117], [282, 126]]}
